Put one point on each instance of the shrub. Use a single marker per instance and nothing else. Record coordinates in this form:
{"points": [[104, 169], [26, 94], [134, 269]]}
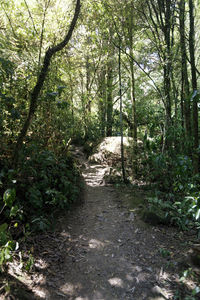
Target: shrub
{"points": [[177, 189], [43, 184]]}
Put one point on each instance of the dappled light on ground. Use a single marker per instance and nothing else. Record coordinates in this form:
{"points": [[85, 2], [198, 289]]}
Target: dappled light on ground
{"points": [[117, 282], [70, 289], [110, 146], [101, 250], [95, 244], [94, 175]]}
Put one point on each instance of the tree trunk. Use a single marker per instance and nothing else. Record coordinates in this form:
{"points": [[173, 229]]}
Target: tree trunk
{"points": [[132, 73], [40, 82], [109, 98], [133, 101], [87, 66], [102, 101], [121, 120], [132, 82], [194, 87], [167, 62], [185, 81]]}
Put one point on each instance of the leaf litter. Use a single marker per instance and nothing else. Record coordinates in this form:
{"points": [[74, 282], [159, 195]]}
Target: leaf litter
{"points": [[102, 250]]}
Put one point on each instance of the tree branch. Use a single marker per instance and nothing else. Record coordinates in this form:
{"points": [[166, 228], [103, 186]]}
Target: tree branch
{"points": [[40, 82], [141, 68], [30, 15]]}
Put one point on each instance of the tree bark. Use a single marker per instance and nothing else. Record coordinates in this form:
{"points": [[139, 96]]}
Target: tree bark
{"points": [[194, 87], [102, 101], [40, 82], [184, 71], [121, 120], [132, 82], [109, 99], [132, 74], [87, 67], [167, 61]]}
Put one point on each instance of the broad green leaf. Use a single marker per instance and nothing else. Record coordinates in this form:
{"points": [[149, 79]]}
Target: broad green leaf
{"points": [[9, 197], [13, 211], [11, 245]]}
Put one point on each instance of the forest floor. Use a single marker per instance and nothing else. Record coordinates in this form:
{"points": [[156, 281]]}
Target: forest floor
{"points": [[102, 250]]}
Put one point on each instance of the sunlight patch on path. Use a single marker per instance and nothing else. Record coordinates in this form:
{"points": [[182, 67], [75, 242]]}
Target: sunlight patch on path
{"points": [[94, 175], [70, 289], [95, 244], [117, 282]]}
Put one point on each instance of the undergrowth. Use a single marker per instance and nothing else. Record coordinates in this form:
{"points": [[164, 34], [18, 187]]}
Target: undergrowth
{"points": [[33, 194], [177, 189]]}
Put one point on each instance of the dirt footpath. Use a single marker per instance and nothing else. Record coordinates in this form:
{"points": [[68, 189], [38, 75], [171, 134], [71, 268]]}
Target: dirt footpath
{"points": [[103, 251]]}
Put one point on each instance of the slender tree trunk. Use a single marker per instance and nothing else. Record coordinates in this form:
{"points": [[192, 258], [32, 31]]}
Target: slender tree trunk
{"points": [[167, 88], [175, 96], [72, 105], [166, 28], [102, 101], [87, 65], [194, 87], [133, 101], [109, 99], [83, 104], [132, 74], [121, 120], [185, 81], [132, 82], [40, 82]]}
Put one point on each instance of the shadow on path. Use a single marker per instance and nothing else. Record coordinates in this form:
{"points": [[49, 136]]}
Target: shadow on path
{"points": [[102, 251]]}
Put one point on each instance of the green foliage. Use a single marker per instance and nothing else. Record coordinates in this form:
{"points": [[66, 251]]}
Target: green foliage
{"points": [[182, 173], [164, 252], [181, 213], [7, 245], [177, 189], [9, 197], [7, 253], [45, 184], [4, 235], [171, 173], [187, 212], [15, 211], [159, 206], [73, 106], [184, 213], [30, 263], [40, 224], [187, 275]]}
